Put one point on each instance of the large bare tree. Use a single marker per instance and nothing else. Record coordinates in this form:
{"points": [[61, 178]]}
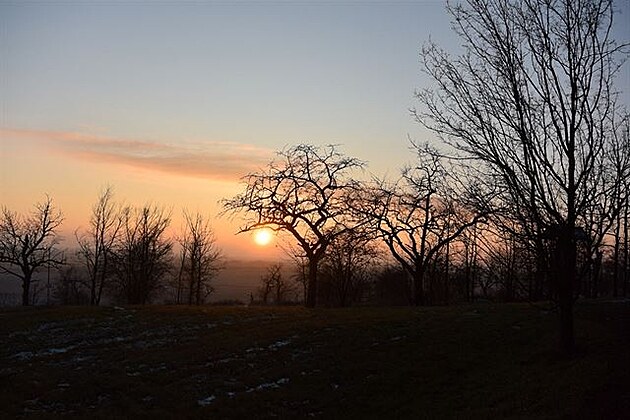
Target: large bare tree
{"points": [[304, 192], [532, 99], [419, 216], [96, 243], [30, 242]]}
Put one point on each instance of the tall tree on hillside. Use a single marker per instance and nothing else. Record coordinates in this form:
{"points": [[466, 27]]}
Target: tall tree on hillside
{"points": [[306, 193], [28, 243], [532, 99], [201, 258], [96, 244]]}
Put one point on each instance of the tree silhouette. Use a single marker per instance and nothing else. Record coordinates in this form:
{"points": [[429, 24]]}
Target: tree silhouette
{"points": [[350, 262], [142, 254], [306, 193], [201, 259], [96, 244], [532, 100], [28, 243], [273, 284], [419, 216]]}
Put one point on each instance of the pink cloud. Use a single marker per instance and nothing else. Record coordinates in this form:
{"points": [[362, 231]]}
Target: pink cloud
{"points": [[213, 160]]}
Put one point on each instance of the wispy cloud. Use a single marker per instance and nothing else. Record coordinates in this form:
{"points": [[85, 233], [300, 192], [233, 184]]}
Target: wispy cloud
{"points": [[214, 160]]}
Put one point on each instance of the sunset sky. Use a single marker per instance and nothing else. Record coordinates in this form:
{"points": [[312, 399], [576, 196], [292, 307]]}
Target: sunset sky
{"points": [[171, 103]]}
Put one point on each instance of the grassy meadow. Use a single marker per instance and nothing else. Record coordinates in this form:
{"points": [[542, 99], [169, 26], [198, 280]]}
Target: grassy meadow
{"points": [[476, 361]]}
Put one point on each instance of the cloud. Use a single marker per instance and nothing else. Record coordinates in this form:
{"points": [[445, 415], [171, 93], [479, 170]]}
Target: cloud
{"points": [[213, 160]]}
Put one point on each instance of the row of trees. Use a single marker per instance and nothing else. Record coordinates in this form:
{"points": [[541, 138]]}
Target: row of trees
{"points": [[432, 235], [124, 252], [528, 187], [538, 146], [362, 265]]}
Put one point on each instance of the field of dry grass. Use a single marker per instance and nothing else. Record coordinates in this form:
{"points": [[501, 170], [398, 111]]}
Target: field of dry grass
{"points": [[480, 361]]}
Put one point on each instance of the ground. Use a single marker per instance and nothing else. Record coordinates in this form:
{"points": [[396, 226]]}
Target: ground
{"points": [[476, 361]]}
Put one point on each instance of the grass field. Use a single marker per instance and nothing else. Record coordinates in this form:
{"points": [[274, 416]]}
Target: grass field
{"points": [[479, 361]]}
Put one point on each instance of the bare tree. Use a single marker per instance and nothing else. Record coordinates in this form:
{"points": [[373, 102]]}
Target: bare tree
{"points": [[201, 259], [504, 262], [266, 284], [470, 242], [142, 254], [28, 243], [418, 217], [615, 195], [532, 99], [300, 273], [69, 288], [274, 285], [96, 244], [626, 241], [305, 193]]}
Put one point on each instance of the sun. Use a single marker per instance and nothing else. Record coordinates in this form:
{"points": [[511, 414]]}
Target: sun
{"points": [[262, 237]]}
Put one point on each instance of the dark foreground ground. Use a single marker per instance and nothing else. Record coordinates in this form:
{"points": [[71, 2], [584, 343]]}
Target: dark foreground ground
{"points": [[481, 361]]}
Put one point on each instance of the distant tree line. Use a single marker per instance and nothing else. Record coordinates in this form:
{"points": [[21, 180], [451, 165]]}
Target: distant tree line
{"points": [[125, 254]]}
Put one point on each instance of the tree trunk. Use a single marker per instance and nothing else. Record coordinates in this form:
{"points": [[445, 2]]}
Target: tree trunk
{"points": [[93, 279], [418, 287], [616, 258], [101, 285], [191, 287], [93, 290], [198, 280], [597, 270], [626, 253], [541, 269], [342, 291], [566, 272], [180, 277], [543, 274], [26, 290], [467, 271], [447, 279], [311, 292]]}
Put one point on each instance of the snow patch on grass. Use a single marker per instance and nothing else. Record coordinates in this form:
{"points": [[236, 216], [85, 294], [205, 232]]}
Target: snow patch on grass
{"points": [[270, 385], [59, 351], [23, 355], [206, 401], [27, 355], [279, 344]]}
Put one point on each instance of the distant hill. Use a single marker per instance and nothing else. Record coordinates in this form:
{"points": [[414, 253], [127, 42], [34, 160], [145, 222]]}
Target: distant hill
{"points": [[242, 277]]}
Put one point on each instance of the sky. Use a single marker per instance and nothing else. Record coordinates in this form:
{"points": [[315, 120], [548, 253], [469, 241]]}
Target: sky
{"points": [[172, 102]]}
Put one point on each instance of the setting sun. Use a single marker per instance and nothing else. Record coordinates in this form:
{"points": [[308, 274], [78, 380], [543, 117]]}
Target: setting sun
{"points": [[263, 237]]}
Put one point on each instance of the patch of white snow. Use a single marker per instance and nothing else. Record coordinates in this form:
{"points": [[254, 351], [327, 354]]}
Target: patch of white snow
{"points": [[206, 401], [278, 344]]}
